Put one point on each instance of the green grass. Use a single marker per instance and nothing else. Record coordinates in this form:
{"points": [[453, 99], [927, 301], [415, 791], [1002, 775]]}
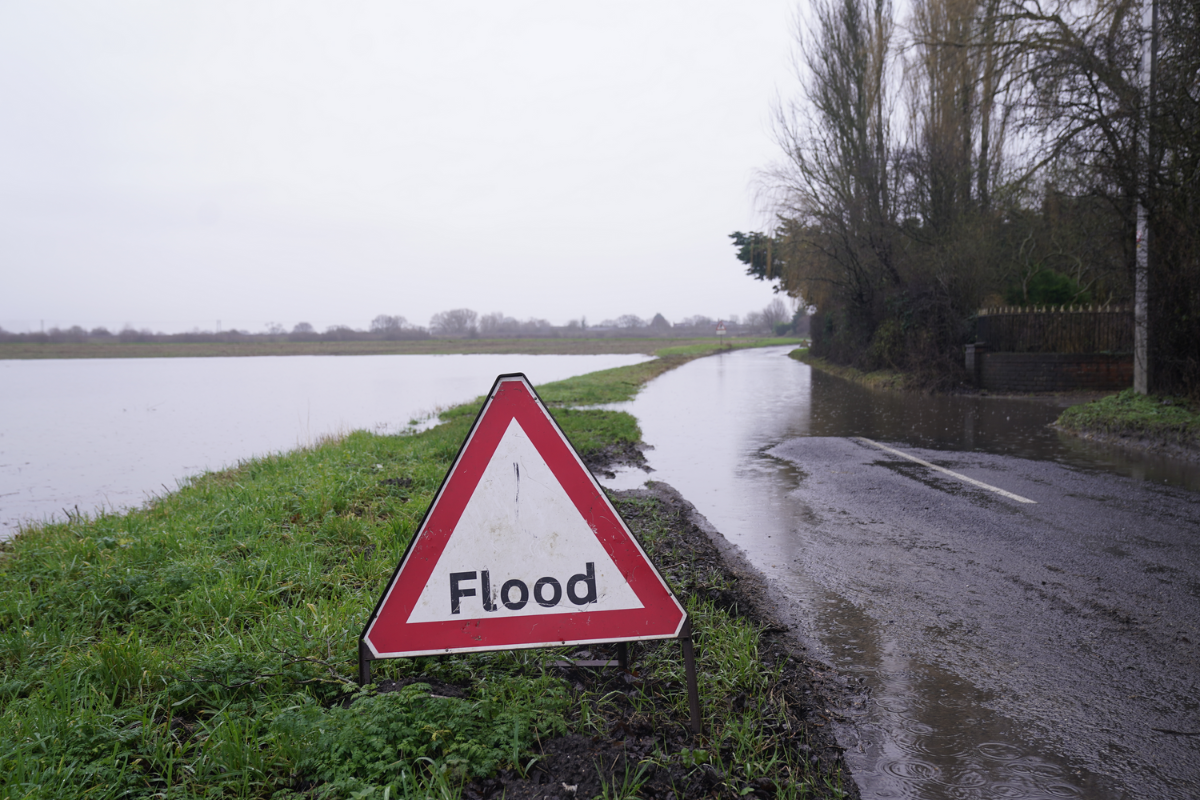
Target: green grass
{"points": [[1129, 414], [200, 642], [205, 645], [593, 430]]}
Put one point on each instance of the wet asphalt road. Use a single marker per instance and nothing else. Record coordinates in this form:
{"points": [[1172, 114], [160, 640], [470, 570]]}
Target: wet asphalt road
{"points": [[1075, 619]]}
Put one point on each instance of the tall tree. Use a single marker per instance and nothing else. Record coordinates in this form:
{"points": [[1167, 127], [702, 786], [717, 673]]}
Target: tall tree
{"points": [[833, 192], [962, 79]]}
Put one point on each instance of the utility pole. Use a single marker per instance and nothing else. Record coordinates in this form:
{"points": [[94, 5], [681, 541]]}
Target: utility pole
{"points": [[1141, 279]]}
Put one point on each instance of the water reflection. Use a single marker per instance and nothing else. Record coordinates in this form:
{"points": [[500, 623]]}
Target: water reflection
{"points": [[1017, 427], [759, 406], [928, 733]]}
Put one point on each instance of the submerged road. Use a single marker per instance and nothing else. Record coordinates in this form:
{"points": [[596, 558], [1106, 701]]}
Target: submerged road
{"points": [[1023, 615]]}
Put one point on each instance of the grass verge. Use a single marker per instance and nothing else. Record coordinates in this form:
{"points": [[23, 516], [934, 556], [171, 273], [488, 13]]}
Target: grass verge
{"points": [[879, 379], [1129, 417], [204, 646]]}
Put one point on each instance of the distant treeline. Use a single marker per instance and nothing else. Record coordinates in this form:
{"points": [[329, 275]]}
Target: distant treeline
{"points": [[456, 323]]}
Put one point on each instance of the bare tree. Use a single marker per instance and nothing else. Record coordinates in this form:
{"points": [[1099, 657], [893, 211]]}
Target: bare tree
{"points": [[1133, 141], [964, 81], [833, 193], [697, 321], [386, 323], [535, 325], [496, 323], [303, 332], [456, 322], [340, 333], [755, 321], [775, 313]]}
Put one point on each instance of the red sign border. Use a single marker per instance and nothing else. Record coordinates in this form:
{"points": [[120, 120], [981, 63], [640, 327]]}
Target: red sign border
{"points": [[512, 396]]}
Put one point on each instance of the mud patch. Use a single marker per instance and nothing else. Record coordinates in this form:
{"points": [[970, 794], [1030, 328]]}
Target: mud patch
{"points": [[603, 462]]}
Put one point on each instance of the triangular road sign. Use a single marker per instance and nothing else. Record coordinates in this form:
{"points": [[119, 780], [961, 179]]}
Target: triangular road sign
{"points": [[520, 548]]}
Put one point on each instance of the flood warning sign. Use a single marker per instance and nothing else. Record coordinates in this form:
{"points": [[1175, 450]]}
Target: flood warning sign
{"points": [[520, 548]]}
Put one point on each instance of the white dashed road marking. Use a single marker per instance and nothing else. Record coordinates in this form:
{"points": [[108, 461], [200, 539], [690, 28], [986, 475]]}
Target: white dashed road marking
{"points": [[951, 473]]}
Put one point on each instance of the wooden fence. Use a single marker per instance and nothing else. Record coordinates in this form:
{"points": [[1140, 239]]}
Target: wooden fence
{"points": [[1056, 329]]}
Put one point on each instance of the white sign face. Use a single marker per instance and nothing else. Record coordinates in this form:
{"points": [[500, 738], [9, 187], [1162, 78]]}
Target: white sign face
{"points": [[521, 549]]}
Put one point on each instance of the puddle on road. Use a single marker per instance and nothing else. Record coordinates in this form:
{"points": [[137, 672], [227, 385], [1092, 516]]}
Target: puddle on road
{"points": [[927, 733]]}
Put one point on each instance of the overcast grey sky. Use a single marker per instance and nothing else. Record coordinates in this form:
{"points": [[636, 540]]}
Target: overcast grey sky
{"points": [[171, 164]]}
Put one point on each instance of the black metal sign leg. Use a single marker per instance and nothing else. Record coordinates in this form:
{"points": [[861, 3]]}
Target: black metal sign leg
{"points": [[689, 666], [364, 664]]}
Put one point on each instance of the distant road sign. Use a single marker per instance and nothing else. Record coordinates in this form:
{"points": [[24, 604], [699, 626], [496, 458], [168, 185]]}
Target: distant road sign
{"points": [[520, 548], [720, 329]]}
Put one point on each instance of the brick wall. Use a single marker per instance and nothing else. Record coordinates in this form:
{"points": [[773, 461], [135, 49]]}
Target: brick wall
{"points": [[1053, 372]]}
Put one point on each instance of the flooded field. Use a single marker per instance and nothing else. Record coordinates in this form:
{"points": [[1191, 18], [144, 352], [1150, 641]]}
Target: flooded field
{"points": [[935, 624], [110, 433]]}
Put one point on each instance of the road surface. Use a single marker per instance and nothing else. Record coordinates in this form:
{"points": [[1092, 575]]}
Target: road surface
{"points": [[1069, 605]]}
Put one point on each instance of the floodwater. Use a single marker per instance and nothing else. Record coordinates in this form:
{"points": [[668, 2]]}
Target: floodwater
{"points": [[926, 732], [86, 434]]}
